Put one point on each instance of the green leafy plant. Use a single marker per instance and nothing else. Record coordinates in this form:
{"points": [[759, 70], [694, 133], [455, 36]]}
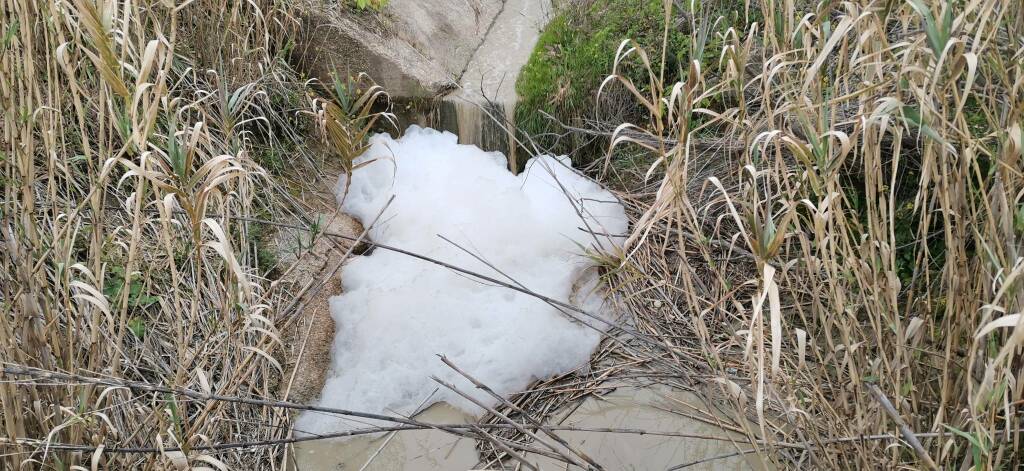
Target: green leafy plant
{"points": [[137, 326], [348, 114], [938, 32], [136, 295], [370, 4]]}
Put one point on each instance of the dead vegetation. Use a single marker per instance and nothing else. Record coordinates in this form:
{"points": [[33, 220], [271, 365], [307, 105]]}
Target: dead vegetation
{"points": [[827, 233], [826, 244], [131, 150], [855, 257]]}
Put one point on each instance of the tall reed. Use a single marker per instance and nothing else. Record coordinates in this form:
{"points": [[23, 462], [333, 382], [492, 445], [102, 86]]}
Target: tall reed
{"points": [[840, 215], [129, 137]]}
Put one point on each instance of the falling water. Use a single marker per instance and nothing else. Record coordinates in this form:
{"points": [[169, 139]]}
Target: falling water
{"points": [[488, 126]]}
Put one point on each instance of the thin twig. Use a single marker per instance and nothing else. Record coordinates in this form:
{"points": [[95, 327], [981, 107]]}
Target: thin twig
{"points": [[905, 430], [712, 458], [514, 424], [536, 423]]}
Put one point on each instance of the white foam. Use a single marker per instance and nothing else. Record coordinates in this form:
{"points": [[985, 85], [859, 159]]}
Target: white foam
{"points": [[398, 313]]}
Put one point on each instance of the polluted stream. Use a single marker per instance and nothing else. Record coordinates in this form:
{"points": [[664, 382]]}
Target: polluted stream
{"points": [[625, 408], [396, 315]]}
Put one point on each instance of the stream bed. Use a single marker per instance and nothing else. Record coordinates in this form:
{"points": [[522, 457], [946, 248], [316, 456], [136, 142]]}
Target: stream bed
{"points": [[453, 201], [654, 409]]}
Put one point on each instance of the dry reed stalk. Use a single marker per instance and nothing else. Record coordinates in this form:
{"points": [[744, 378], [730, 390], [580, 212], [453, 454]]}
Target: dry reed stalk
{"points": [[876, 181], [130, 134]]}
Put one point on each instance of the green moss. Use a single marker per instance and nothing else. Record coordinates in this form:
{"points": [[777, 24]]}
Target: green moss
{"points": [[375, 5], [575, 53]]}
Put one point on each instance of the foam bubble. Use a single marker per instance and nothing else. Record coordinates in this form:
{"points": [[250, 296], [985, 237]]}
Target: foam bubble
{"points": [[397, 313]]}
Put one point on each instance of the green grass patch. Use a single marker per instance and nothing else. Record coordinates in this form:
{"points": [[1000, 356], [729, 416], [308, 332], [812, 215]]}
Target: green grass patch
{"points": [[576, 52]]}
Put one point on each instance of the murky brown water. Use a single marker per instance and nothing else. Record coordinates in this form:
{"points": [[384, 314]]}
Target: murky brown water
{"points": [[411, 450], [645, 409], [625, 408]]}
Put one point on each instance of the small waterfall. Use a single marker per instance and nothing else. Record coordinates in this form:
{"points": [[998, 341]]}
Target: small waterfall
{"points": [[469, 120], [489, 126]]}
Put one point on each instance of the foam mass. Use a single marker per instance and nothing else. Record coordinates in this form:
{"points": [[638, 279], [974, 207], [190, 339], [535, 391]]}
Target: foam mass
{"points": [[398, 313]]}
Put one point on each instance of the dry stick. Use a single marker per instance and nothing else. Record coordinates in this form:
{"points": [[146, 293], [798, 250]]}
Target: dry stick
{"points": [[561, 308], [713, 458], [408, 424], [515, 424], [528, 417], [19, 370], [214, 447], [392, 434], [509, 451], [400, 428], [905, 430], [253, 444]]}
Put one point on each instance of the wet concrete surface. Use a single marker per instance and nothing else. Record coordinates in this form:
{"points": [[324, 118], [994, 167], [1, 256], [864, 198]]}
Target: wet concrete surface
{"points": [[649, 408]]}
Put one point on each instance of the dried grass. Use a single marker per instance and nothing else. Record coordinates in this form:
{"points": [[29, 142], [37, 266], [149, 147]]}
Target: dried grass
{"points": [[828, 238], [855, 256], [130, 139]]}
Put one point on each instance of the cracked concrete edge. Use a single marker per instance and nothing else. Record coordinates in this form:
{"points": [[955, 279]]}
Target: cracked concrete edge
{"points": [[413, 48]]}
